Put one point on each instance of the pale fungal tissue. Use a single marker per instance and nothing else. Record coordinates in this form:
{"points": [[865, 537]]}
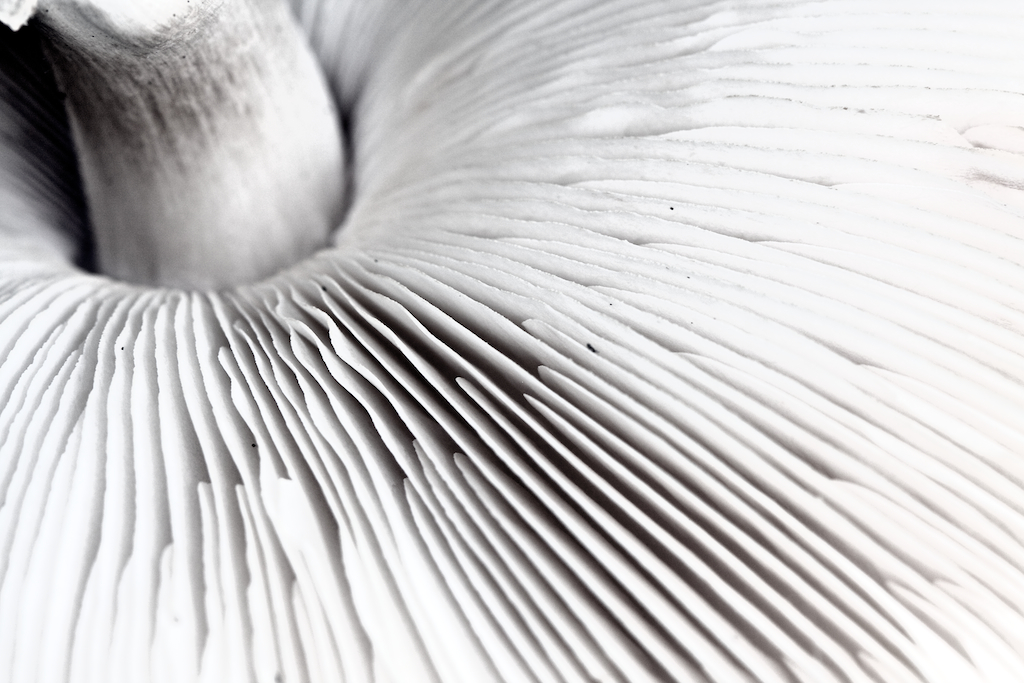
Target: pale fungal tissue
{"points": [[512, 340]]}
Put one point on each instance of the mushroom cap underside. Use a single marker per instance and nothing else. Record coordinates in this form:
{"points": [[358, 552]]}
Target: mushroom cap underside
{"points": [[661, 341]]}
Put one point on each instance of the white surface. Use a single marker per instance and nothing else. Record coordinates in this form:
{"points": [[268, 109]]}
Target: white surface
{"points": [[15, 13], [790, 234]]}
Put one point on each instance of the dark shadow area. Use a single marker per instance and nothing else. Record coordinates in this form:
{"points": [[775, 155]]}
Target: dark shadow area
{"points": [[35, 140]]}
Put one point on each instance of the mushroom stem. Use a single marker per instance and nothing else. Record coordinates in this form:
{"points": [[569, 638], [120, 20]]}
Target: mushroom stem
{"points": [[210, 149]]}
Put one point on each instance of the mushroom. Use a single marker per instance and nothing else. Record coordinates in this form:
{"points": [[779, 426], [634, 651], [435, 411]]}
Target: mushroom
{"points": [[659, 341]]}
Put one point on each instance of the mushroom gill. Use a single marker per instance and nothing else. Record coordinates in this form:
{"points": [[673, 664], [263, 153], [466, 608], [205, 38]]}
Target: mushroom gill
{"points": [[662, 341]]}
